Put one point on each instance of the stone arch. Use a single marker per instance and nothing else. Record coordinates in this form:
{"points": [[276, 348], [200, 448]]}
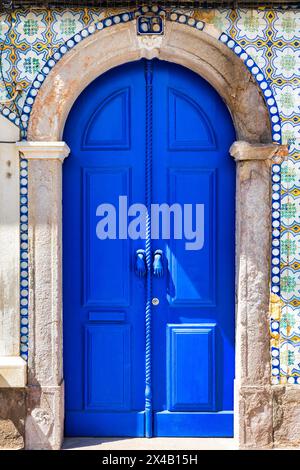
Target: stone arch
{"points": [[194, 49]]}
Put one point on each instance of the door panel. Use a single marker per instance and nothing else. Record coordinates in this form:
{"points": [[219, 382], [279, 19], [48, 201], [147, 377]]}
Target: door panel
{"points": [[188, 285], [187, 345], [104, 299], [109, 125], [198, 134], [193, 324], [104, 284], [108, 386]]}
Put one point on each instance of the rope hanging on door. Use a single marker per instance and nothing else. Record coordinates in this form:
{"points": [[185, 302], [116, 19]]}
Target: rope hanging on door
{"points": [[148, 251]]}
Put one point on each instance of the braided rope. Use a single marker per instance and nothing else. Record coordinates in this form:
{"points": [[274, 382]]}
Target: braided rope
{"points": [[148, 251]]}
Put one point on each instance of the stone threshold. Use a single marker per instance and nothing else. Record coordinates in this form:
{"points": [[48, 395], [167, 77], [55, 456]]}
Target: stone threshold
{"points": [[156, 443]]}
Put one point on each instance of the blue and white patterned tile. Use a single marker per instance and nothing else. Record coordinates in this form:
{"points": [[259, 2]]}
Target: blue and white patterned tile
{"points": [[66, 24], [4, 27], [286, 62], [291, 135], [289, 358], [286, 25], [289, 175], [220, 19], [289, 247], [290, 209], [258, 55], [288, 99], [6, 63], [290, 323], [289, 284], [29, 63], [31, 27], [251, 24]]}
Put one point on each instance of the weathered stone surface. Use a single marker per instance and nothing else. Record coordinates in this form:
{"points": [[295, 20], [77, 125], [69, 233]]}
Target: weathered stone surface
{"points": [[45, 292], [254, 418], [253, 228], [45, 417], [9, 242], [272, 153], [13, 372], [12, 418], [286, 415]]}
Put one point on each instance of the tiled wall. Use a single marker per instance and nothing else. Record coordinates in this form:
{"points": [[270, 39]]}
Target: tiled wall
{"points": [[272, 39]]}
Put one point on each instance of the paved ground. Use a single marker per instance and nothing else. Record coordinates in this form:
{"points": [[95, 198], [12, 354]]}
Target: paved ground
{"points": [[156, 443]]}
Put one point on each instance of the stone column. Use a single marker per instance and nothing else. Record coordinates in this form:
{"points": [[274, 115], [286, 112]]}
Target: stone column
{"points": [[253, 393], [45, 403]]}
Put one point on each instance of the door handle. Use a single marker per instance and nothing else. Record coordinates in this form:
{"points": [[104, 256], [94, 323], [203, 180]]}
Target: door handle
{"points": [[140, 263], [158, 269]]}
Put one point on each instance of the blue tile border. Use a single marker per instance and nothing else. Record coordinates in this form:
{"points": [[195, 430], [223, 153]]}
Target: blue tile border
{"points": [[266, 90], [24, 281]]}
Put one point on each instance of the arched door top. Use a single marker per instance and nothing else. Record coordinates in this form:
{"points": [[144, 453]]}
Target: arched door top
{"points": [[182, 44]]}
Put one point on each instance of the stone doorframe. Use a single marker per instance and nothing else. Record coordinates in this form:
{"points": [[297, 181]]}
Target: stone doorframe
{"points": [[254, 153]]}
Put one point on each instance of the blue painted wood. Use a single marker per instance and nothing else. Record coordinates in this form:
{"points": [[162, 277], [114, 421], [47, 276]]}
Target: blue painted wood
{"points": [[107, 316], [191, 164], [98, 275], [191, 373], [188, 345], [103, 284], [204, 424], [199, 134], [107, 387], [105, 129], [83, 423], [188, 286]]}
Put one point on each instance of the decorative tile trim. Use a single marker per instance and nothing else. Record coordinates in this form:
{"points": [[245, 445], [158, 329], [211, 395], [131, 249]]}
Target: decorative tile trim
{"points": [[24, 280], [262, 82], [275, 271]]}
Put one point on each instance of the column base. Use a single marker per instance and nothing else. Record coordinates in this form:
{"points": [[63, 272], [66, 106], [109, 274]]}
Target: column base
{"points": [[253, 417], [44, 423]]}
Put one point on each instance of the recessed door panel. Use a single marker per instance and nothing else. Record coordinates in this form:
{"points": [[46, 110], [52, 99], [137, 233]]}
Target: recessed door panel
{"points": [[188, 286], [109, 125], [191, 367], [196, 133], [107, 367], [104, 284]]}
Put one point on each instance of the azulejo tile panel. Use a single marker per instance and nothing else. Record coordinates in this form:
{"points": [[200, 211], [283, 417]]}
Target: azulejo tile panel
{"points": [[268, 41]]}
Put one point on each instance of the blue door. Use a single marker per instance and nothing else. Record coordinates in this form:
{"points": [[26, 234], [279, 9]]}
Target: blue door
{"points": [[163, 134]]}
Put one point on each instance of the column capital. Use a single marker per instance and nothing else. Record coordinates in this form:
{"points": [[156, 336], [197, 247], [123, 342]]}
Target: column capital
{"points": [[272, 153], [43, 150]]}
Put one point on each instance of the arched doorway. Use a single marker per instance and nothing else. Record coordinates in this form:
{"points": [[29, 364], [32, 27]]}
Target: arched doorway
{"points": [[44, 150]]}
